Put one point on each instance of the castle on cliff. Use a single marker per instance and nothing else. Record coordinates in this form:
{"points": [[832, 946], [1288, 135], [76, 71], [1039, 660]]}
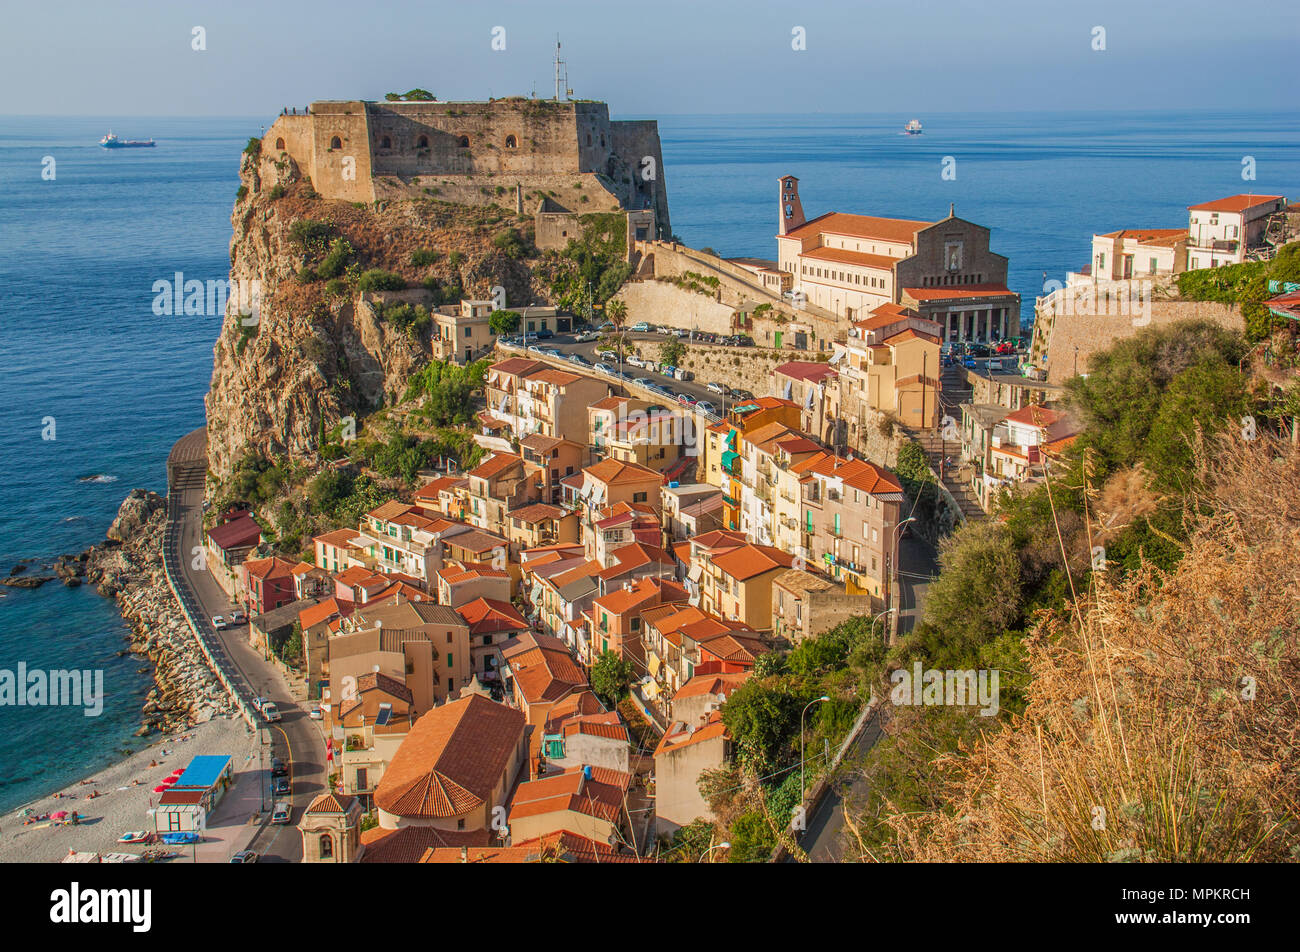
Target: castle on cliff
{"points": [[557, 159]]}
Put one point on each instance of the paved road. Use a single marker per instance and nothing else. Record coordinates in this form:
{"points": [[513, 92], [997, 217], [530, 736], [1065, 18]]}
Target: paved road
{"points": [[648, 344], [824, 839], [296, 739]]}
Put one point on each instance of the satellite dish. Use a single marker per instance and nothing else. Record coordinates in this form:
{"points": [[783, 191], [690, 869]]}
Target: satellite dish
{"points": [[374, 668]]}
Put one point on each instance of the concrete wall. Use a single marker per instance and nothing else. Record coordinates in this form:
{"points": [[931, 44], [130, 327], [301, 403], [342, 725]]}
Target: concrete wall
{"points": [[1062, 338], [662, 303], [677, 774]]}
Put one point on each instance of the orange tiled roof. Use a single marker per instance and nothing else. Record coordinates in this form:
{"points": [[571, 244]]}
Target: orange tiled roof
{"points": [[1234, 203], [958, 291], [714, 684], [747, 561], [601, 796], [319, 612], [612, 471], [680, 734], [451, 760], [269, 568], [860, 226], [494, 465], [1164, 237], [490, 615], [859, 258]]}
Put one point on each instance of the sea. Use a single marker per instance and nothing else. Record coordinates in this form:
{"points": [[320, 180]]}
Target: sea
{"points": [[96, 387]]}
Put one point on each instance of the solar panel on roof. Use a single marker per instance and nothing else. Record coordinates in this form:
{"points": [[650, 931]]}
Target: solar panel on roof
{"points": [[385, 714]]}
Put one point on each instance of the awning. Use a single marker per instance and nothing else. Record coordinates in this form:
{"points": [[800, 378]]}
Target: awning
{"points": [[650, 689], [652, 664], [789, 387], [729, 457], [809, 402], [695, 573]]}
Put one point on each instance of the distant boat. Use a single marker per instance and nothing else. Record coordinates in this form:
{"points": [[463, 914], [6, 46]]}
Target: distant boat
{"points": [[913, 127], [111, 141]]}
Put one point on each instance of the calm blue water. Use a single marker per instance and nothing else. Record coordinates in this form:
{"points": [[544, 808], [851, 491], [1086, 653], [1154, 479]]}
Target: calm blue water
{"points": [[79, 341]]}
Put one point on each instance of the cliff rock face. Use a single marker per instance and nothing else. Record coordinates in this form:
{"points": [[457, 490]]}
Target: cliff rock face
{"points": [[317, 351]]}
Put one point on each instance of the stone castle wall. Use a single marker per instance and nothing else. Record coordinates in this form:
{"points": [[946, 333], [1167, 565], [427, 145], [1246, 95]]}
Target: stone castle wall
{"points": [[538, 144]]}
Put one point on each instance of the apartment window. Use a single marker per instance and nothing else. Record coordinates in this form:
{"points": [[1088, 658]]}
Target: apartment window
{"points": [[639, 497], [410, 666], [636, 624], [460, 824], [487, 639], [450, 661], [837, 523]]}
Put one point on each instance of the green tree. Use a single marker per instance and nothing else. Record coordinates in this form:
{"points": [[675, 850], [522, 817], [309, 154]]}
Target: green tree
{"points": [[610, 677], [503, 322]]}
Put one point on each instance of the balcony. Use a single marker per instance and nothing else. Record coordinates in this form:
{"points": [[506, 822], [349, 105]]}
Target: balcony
{"points": [[1214, 244]]}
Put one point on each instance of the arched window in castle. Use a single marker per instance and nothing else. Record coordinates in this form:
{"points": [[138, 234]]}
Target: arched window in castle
{"points": [[422, 142], [386, 143], [511, 142], [279, 144], [336, 143], [464, 142], [326, 845]]}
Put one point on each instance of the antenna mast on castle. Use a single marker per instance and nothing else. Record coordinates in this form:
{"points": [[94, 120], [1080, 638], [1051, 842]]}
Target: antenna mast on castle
{"points": [[558, 64]]}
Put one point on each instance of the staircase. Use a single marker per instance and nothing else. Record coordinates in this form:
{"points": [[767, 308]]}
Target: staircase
{"points": [[955, 392]]}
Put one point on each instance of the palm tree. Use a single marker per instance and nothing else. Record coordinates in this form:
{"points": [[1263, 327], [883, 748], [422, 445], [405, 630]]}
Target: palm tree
{"points": [[616, 311]]}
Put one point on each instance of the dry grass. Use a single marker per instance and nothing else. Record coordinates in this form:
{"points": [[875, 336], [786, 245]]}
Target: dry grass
{"points": [[1162, 719]]}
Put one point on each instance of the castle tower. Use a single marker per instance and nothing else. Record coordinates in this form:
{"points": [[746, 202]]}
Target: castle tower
{"points": [[791, 216]]}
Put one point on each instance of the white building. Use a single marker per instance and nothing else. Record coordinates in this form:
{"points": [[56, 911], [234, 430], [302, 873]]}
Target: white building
{"points": [[1223, 231]]}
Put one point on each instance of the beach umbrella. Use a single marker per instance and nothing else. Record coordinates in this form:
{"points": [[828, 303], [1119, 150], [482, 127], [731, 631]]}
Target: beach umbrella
{"points": [[178, 771], [169, 781], [160, 789], [59, 815]]}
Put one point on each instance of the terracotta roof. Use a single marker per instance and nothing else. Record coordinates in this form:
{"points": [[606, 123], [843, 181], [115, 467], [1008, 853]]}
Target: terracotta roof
{"points": [[858, 473], [625, 599], [490, 615], [451, 760], [515, 366], [611, 402], [544, 673], [637, 555], [389, 510], [1034, 415], [322, 611], [354, 575], [612, 471], [269, 568], [408, 844], [575, 705], [1234, 203], [601, 796], [536, 512], [747, 561], [494, 465], [859, 258], [340, 538], [558, 378], [860, 226], [680, 735], [476, 540], [330, 803], [431, 490], [713, 684], [910, 334], [958, 291], [236, 533], [808, 370], [1163, 237], [606, 724]]}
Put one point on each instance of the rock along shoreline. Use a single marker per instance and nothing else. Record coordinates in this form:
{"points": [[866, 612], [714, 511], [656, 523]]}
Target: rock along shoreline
{"points": [[128, 567]]}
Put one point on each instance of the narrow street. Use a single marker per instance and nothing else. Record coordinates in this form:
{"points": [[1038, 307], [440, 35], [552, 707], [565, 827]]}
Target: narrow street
{"points": [[295, 739]]}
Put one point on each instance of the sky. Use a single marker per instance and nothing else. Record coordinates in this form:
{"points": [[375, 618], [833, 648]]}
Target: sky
{"points": [[100, 57]]}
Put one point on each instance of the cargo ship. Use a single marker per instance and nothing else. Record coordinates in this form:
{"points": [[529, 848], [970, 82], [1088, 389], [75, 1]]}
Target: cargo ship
{"points": [[111, 141], [913, 127]]}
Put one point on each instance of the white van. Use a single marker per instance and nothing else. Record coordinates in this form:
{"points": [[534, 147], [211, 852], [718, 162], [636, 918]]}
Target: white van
{"points": [[280, 812], [270, 711]]}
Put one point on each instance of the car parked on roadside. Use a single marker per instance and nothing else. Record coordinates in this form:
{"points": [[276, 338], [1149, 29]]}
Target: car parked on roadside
{"points": [[270, 712], [641, 327], [244, 856], [544, 333], [603, 369], [706, 407], [280, 812], [607, 355], [632, 360], [586, 337], [280, 786], [643, 382], [968, 362], [716, 388], [740, 394], [258, 702], [315, 713], [744, 340], [278, 768], [220, 623], [686, 399]]}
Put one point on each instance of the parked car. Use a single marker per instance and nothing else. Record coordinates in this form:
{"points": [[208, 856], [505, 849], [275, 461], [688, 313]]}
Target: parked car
{"points": [[679, 332], [258, 702], [315, 713], [270, 712], [706, 407], [586, 337], [643, 382], [579, 359], [244, 856], [280, 812], [744, 340], [607, 355], [717, 388], [280, 786], [238, 618], [641, 327], [633, 360], [550, 352], [603, 369], [220, 623], [544, 333], [968, 362], [740, 394], [686, 399], [278, 768]]}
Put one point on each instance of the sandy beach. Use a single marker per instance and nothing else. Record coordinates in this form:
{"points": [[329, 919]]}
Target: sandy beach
{"points": [[123, 804]]}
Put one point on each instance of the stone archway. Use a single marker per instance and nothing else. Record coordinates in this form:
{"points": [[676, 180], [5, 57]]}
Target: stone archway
{"points": [[279, 144], [336, 143], [512, 142]]}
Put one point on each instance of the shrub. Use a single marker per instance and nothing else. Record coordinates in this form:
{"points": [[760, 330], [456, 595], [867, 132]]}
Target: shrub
{"points": [[376, 279], [423, 257]]}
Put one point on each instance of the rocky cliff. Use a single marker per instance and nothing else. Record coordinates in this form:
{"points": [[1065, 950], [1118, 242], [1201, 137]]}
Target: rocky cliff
{"points": [[317, 350]]}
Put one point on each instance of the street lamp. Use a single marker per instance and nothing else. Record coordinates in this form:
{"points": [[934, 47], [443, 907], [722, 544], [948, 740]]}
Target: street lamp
{"points": [[817, 700], [716, 846]]}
